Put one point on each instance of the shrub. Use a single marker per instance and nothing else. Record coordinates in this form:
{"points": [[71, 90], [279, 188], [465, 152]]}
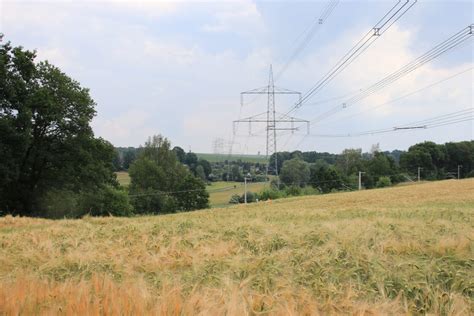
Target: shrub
{"points": [[293, 190], [235, 199], [108, 201], [383, 182], [271, 194], [59, 204]]}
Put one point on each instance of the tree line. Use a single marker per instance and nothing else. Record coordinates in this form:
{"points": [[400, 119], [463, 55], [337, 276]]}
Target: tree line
{"points": [[303, 173]]}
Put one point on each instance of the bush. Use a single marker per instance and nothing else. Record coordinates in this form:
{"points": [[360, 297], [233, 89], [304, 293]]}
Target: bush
{"points": [[59, 204], [193, 195], [271, 194], [383, 182], [293, 190], [103, 202], [108, 201], [235, 199], [470, 174], [309, 190]]}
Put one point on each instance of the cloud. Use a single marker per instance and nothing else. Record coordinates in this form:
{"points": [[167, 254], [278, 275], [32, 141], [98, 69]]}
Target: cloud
{"points": [[179, 76], [241, 17]]}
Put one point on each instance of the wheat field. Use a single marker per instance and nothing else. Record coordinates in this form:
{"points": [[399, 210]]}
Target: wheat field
{"points": [[402, 250]]}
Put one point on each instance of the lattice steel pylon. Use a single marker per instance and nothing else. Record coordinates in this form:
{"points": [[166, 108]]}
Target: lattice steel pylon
{"points": [[274, 121]]}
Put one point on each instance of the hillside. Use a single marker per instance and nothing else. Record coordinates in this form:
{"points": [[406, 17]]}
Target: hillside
{"points": [[399, 250], [234, 157]]}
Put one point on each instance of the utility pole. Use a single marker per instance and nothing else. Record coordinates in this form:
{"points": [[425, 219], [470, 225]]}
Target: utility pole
{"points": [[360, 179], [459, 171], [419, 169], [271, 118]]}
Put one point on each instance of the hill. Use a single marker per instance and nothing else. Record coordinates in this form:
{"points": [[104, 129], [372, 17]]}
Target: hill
{"points": [[224, 157], [398, 250]]}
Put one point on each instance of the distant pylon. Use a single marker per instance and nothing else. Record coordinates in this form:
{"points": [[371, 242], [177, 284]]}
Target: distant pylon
{"points": [[272, 118]]}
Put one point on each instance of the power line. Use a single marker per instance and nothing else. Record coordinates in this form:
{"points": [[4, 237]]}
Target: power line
{"points": [[445, 46], [442, 120], [310, 33], [401, 97], [393, 15]]}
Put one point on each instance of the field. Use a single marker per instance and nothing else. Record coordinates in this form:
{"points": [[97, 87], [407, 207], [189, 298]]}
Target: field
{"points": [[224, 157], [123, 178], [220, 192], [402, 250]]}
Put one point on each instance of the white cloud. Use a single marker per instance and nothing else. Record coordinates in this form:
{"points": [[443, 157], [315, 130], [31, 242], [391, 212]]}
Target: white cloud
{"points": [[240, 17], [147, 81]]}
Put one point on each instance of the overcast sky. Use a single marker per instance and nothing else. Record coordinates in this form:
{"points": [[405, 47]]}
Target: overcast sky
{"points": [[177, 68]]}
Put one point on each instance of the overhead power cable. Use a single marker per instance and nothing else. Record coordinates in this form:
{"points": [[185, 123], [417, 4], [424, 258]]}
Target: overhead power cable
{"points": [[453, 41], [393, 15], [308, 35], [371, 108], [441, 120]]}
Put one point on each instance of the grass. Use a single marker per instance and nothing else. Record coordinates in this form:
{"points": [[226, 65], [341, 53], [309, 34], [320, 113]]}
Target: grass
{"points": [[123, 178], [224, 157], [220, 192], [402, 250]]}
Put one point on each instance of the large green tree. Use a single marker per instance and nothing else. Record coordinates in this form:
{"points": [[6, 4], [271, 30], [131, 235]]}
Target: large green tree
{"points": [[295, 172], [159, 181], [46, 142]]}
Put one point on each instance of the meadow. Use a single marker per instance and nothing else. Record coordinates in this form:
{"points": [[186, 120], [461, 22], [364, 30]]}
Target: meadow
{"points": [[220, 192], [235, 157], [400, 250]]}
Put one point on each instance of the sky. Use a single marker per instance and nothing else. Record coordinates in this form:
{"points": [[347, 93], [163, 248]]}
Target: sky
{"points": [[177, 68]]}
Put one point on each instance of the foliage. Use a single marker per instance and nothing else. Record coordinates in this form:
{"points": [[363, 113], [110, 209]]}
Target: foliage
{"points": [[234, 199], [46, 141], [295, 172], [439, 161], [293, 190], [325, 178], [157, 179], [192, 194], [271, 194], [350, 161], [180, 154], [383, 182], [107, 201]]}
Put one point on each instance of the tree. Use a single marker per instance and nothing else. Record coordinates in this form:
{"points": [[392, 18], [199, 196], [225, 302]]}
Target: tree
{"points": [[350, 161], [192, 194], [191, 159], [427, 155], [117, 162], [295, 172], [199, 172], [206, 167], [128, 158], [281, 158], [45, 137], [157, 179], [461, 153], [380, 165], [180, 154], [107, 201], [325, 177], [236, 174]]}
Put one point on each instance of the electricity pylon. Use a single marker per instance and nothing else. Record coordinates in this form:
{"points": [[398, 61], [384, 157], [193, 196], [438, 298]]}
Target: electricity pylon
{"points": [[274, 121]]}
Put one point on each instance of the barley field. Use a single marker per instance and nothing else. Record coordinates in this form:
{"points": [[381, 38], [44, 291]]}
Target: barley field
{"points": [[394, 251]]}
